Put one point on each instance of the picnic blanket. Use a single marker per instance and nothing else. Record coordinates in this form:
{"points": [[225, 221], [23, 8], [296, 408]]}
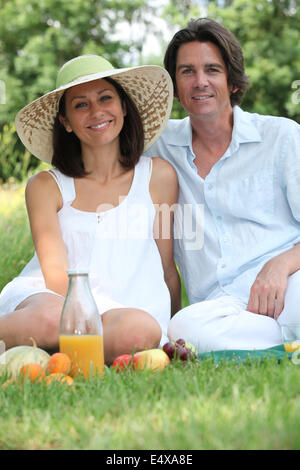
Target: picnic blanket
{"points": [[238, 356]]}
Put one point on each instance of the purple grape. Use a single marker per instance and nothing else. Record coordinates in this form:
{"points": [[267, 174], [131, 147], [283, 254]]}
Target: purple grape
{"points": [[177, 352], [180, 341], [169, 349], [184, 354]]}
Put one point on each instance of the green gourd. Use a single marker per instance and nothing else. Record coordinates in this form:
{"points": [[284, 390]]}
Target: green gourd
{"points": [[13, 359]]}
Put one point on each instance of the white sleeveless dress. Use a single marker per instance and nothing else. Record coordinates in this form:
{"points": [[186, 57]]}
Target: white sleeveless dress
{"points": [[117, 248]]}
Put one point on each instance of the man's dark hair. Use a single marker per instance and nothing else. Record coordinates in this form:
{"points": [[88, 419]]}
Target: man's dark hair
{"points": [[208, 30], [67, 155]]}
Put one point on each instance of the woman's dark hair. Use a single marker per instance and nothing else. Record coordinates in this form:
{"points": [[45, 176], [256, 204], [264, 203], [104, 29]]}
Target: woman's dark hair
{"points": [[67, 155], [208, 30]]}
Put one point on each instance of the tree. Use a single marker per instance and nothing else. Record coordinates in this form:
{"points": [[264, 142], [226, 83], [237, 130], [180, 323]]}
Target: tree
{"points": [[268, 31], [37, 37], [177, 13]]}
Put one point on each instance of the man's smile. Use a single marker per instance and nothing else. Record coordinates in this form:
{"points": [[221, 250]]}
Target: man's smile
{"points": [[201, 97]]}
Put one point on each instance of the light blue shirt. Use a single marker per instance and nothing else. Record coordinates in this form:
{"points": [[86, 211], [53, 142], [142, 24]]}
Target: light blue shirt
{"points": [[246, 210]]}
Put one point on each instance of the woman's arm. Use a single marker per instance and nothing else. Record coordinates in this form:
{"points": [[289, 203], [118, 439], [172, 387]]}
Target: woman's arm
{"points": [[43, 200], [164, 193]]}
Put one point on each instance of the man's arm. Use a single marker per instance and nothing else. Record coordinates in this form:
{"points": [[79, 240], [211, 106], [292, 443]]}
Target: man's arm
{"points": [[268, 291], [269, 288]]}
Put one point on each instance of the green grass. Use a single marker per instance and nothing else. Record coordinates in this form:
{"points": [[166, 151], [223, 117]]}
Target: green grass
{"points": [[199, 406], [15, 239]]}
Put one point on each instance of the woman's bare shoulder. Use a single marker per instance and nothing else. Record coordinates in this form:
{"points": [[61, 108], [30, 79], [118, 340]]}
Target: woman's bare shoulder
{"points": [[164, 182], [163, 170], [42, 185]]}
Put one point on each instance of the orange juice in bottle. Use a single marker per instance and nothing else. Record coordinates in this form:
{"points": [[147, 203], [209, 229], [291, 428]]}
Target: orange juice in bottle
{"points": [[85, 352], [80, 331]]}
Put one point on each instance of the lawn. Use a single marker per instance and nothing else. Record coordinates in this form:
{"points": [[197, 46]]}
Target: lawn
{"points": [[199, 406], [15, 240], [202, 405]]}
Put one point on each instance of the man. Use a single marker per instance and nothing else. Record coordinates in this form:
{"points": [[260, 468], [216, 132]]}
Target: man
{"points": [[243, 169]]}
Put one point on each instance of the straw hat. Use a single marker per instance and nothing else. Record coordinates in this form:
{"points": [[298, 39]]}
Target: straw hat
{"points": [[150, 87]]}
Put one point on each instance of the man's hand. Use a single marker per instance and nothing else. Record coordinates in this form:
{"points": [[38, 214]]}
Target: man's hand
{"points": [[268, 290]]}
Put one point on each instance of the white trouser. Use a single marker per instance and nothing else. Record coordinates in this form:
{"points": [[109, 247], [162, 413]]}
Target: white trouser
{"points": [[223, 323]]}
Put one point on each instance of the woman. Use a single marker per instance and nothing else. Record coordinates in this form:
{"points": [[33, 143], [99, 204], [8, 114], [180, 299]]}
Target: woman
{"points": [[98, 207]]}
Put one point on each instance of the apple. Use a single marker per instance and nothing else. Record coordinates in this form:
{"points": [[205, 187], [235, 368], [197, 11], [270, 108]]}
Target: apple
{"points": [[155, 359], [122, 362]]}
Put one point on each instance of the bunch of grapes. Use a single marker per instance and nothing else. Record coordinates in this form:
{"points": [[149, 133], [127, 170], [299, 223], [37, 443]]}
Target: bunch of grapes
{"points": [[179, 350]]}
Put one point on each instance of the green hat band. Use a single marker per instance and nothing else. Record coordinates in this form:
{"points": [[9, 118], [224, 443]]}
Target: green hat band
{"points": [[80, 67]]}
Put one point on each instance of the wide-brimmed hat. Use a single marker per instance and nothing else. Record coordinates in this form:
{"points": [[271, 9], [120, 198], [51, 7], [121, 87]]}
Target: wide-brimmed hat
{"points": [[149, 86]]}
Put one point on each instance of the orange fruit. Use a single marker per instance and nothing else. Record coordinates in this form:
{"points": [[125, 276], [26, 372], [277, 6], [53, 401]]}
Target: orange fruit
{"points": [[59, 363], [58, 377], [33, 372]]}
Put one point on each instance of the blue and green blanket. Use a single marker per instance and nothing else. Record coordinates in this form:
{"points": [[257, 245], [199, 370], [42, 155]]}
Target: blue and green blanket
{"points": [[239, 356]]}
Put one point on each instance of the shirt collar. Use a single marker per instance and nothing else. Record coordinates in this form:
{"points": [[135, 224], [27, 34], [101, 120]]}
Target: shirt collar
{"points": [[183, 135], [243, 130]]}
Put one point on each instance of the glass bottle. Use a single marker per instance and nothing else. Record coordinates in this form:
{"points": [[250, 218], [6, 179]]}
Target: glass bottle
{"points": [[80, 330]]}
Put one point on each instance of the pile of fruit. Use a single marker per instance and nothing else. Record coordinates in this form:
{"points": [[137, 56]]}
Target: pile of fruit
{"points": [[156, 359], [30, 363]]}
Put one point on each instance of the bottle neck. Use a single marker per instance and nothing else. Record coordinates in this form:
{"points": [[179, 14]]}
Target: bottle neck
{"points": [[80, 314], [78, 282]]}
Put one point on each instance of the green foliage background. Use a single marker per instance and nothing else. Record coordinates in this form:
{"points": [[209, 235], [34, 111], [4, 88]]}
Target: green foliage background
{"points": [[38, 36]]}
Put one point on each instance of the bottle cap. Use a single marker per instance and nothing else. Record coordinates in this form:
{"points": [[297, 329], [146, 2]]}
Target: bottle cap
{"points": [[80, 272]]}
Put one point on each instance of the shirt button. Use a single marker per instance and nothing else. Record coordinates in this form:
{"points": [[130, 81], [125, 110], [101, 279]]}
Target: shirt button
{"points": [[223, 266], [210, 186], [219, 217]]}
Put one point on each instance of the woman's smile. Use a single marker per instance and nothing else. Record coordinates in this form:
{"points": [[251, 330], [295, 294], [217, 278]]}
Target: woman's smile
{"points": [[100, 126]]}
